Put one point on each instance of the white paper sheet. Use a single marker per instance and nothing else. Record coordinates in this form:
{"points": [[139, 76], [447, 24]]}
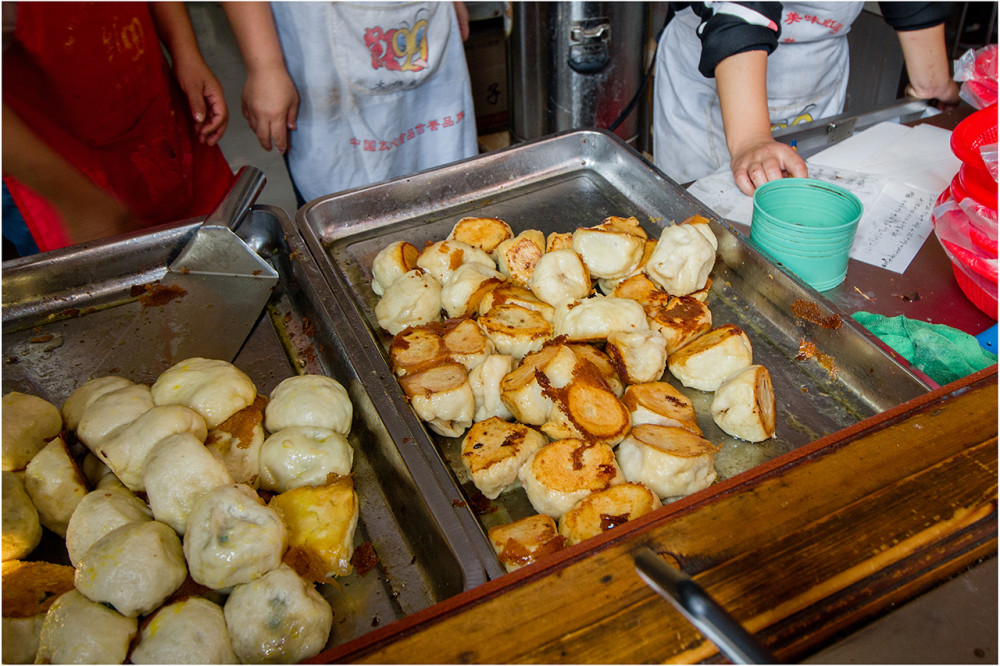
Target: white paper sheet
{"points": [[896, 171]]}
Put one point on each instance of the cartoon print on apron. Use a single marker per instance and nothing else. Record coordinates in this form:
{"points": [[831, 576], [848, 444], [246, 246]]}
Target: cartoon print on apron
{"points": [[397, 99]]}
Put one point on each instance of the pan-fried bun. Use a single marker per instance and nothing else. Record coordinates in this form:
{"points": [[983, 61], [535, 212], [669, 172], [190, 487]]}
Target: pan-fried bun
{"points": [[682, 260], [215, 389], [21, 529], [559, 275], [515, 330], [80, 631], [465, 342], [700, 223], [321, 522], [277, 618], [484, 233], [485, 381], [309, 400], [594, 319], [135, 567], [659, 403], [231, 537], [29, 590], [190, 631], [462, 293], [127, 449], [393, 261], [412, 299], [565, 471], [442, 397], [494, 450], [606, 509], [708, 360], [639, 356], [679, 320], [669, 461], [559, 241], [515, 295], [98, 513], [743, 406], [608, 254], [55, 484], [516, 257], [85, 394], [623, 225], [303, 456], [442, 258], [177, 472], [236, 443], [28, 423], [524, 541], [111, 411]]}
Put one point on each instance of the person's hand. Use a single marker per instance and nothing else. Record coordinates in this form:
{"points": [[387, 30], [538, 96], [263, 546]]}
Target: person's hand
{"points": [[271, 105], [205, 99], [462, 14], [946, 95], [764, 159]]}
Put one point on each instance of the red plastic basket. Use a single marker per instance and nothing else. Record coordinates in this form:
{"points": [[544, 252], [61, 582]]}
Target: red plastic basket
{"points": [[979, 129], [978, 184], [981, 298], [977, 287]]}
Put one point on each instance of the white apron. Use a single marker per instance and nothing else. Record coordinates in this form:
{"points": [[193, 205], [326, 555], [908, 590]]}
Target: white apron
{"points": [[806, 79], [384, 91]]}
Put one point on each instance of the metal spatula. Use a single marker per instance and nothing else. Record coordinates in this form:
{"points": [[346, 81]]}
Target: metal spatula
{"points": [[207, 302], [701, 610]]}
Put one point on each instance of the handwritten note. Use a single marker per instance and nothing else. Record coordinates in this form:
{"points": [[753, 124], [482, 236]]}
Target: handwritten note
{"points": [[899, 221]]}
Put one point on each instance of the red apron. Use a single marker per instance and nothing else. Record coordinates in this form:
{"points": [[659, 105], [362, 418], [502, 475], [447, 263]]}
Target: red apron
{"points": [[90, 79]]}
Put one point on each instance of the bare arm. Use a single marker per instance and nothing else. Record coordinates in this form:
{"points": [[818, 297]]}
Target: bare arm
{"points": [[88, 211], [927, 65], [204, 92], [462, 14], [270, 100], [756, 157]]}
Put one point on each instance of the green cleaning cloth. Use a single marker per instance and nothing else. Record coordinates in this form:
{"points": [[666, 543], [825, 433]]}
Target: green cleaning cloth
{"points": [[942, 352]]}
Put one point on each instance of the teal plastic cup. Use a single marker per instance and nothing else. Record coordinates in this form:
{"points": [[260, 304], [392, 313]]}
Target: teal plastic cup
{"points": [[806, 245], [807, 226]]}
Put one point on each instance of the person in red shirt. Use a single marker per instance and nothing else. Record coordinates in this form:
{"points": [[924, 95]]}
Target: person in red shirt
{"points": [[101, 135]]}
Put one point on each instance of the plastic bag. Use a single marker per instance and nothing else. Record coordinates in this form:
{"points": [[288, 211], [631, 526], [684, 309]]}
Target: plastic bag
{"points": [[977, 69], [967, 231], [989, 153]]}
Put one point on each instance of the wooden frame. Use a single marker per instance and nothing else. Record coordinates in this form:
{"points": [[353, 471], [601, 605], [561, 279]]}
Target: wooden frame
{"points": [[798, 550]]}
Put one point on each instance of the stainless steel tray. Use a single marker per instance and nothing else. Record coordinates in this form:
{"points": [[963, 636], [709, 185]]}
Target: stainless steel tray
{"points": [[577, 179], [61, 309]]}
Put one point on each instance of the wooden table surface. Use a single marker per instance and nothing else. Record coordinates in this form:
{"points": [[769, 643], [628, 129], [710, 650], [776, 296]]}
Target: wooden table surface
{"points": [[815, 542]]}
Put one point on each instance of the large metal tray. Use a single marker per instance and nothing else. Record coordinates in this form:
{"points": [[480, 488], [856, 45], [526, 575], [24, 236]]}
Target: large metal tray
{"points": [[575, 179], [61, 309]]}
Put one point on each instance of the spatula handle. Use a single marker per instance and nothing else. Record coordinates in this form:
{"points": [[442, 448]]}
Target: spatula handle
{"points": [[244, 191], [701, 610]]}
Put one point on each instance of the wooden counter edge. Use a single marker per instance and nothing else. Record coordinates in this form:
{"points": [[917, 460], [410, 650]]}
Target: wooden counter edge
{"points": [[941, 549]]}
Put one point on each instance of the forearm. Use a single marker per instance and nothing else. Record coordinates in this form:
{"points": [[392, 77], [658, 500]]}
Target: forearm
{"points": [[742, 85], [87, 210], [173, 26], [31, 160], [755, 157], [927, 63], [257, 36]]}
